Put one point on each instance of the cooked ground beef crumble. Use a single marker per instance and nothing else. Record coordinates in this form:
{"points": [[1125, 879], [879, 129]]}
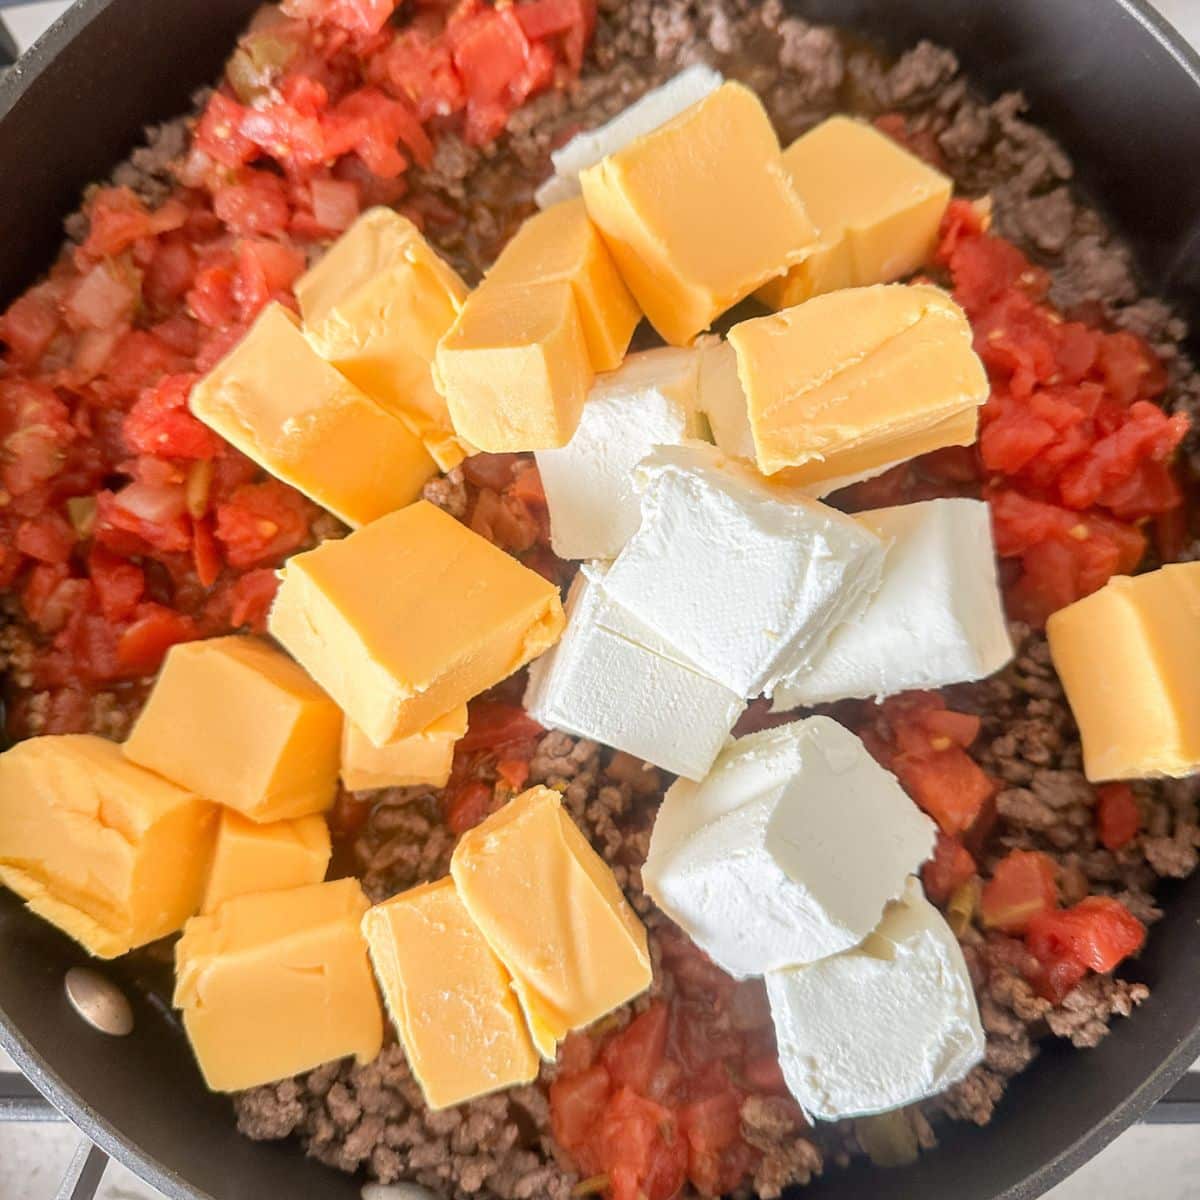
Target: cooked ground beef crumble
{"points": [[372, 1117]]}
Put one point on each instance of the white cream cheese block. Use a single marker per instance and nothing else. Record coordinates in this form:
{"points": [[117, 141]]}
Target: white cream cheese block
{"points": [[883, 1025], [643, 116], [650, 400], [605, 680], [787, 851], [739, 575], [936, 619]]}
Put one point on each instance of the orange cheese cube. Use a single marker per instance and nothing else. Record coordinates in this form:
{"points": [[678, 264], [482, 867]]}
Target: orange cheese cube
{"points": [[113, 855], [858, 378], [410, 617], [375, 307], [1127, 656], [250, 858], [424, 757], [554, 914], [515, 368], [450, 997], [238, 722], [562, 244], [277, 983], [700, 212], [282, 405], [876, 207]]}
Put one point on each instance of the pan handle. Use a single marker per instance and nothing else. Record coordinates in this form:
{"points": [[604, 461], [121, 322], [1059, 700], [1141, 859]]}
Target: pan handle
{"points": [[20, 1102]]}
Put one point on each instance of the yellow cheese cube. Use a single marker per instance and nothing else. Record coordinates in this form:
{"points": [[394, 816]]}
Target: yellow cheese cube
{"points": [[278, 983], [876, 207], [250, 858], [375, 307], [553, 913], [112, 854], [849, 381], [281, 404], [1127, 656], [410, 617], [515, 368], [238, 722], [424, 757], [450, 997], [700, 212], [562, 244]]}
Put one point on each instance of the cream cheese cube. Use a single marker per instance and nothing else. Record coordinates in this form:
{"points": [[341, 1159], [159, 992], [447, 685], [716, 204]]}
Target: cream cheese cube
{"points": [[655, 108], [650, 400], [612, 680], [787, 851], [739, 575], [886, 1024], [937, 618]]}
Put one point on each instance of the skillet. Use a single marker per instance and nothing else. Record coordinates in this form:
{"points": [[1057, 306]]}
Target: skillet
{"points": [[1107, 77]]}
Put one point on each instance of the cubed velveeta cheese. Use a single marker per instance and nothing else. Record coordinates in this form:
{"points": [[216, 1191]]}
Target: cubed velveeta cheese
{"points": [[238, 722], [277, 983], [375, 307], [700, 212], [449, 996], [562, 244], [281, 404], [1128, 656], [515, 368], [876, 207], [410, 617], [424, 757], [554, 914], [861, 377], [250, 857], [110, 853]]}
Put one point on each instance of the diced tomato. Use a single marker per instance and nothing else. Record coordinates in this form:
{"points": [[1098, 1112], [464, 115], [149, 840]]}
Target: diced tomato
{"points": [[514, 772], [253, 204], [1096, 934], [949, 868], [155, 629], [28, 326], [495, 725], [219, 132], [251, 596], [206, 558], [712, 1126], [576, 1103], [160, 423], [48, 538], [1117, 816], [362, 17], [1023, 885], [119, 583], [468, 804], [949, 786], [633, 1056], [261, 523]]}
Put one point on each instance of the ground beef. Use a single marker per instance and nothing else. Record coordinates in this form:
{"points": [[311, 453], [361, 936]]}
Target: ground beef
{"points": [[373, 1117]]}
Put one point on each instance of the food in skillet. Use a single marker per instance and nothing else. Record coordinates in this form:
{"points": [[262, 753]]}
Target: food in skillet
{"points": [[192, 404]]}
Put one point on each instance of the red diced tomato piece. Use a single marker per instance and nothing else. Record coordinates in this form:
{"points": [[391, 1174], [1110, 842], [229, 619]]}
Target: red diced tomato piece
{"points": [[577, 1102], [949, 786], [633, 1056], [144, 644], [362, 17], [495, 725], [949, 868], [219, 132], [1097, 934], [1117, 816], [48, 538], [119, 583], [251, 596], [1022, 886], [261, 523], [29, 325], [161, 423], [467, 804]]}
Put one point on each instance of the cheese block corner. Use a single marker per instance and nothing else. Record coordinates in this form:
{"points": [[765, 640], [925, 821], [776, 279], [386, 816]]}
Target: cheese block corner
{"points": [[411, 616]]}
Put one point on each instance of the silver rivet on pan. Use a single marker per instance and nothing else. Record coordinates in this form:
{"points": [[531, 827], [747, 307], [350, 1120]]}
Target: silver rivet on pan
{"points": [[99, 1001], [396, 1191]]}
